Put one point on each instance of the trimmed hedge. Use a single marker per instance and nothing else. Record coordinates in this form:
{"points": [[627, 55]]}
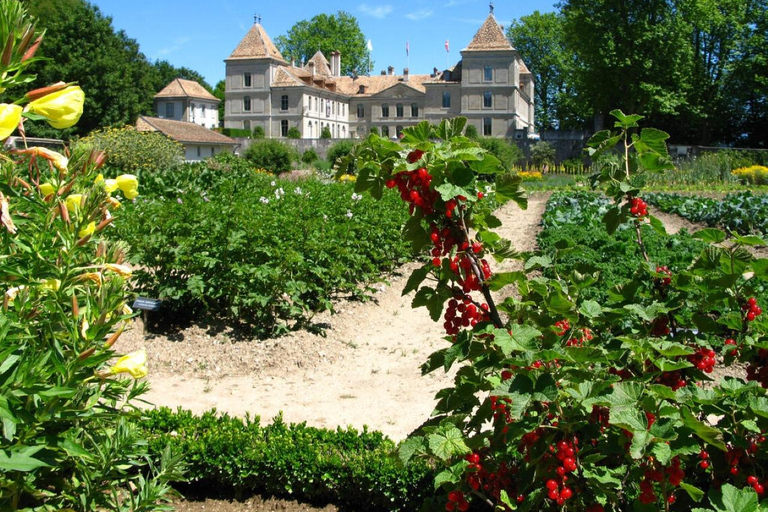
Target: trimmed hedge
{"points": [[350, 469]]}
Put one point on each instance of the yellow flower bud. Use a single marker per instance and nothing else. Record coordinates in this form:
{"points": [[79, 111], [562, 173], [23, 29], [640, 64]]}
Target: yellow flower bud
{"points": [[123, 270], [47, 189], [87, 230], [73, 202], [134, 363], [57, 159], [10, 116], [62, 108]]}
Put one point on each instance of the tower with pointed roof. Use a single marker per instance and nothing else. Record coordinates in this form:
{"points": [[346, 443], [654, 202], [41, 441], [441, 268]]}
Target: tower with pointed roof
{"points": [[187, 100], [490, 86]]}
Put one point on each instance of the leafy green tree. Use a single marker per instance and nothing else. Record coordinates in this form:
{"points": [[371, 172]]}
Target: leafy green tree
{"points": [[539, 39], [508, 154], [167, 72], [271, 155], [325, 133], [258, 132], [219, 91], [640, 65], [293, 133], [542, 153], [327, 33]]}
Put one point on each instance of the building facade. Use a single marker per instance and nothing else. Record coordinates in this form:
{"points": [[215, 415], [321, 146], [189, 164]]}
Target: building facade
{"points": [[491, 86], [187, 100]]}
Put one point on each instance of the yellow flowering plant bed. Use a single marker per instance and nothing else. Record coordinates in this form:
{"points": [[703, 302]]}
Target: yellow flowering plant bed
{"points": [[530, 175], [754, 174], [66, 406]]}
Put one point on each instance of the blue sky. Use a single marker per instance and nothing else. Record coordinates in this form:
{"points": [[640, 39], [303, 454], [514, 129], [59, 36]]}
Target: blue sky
{"points": [[200, 34]]}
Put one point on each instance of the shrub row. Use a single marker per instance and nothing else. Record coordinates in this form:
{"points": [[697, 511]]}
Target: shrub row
{"points": [[351, 469], [742, 212], [572, 220], [261, 251]]}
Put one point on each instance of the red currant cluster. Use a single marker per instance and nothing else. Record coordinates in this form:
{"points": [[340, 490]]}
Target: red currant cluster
{"points": [[456, 501], [565, 452], [735, 456], [638, 208], [601, 416], [415, 190], [499, 408], [664, 281], [462, 312], [562, 327], [757, 369], [493, 482], [751, 309], [673, 474], [704, 462], [756, 485], [735, 351], [582, 336], [673, 379], [461, 265], [703, 359]]}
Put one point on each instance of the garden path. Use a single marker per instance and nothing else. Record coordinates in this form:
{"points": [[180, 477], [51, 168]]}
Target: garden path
{"points": [[365, 371]]}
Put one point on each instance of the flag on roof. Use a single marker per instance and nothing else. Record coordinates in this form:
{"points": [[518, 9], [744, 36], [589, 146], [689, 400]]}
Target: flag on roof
{"points": [[407, 48], [370, 46], [446, 46]]}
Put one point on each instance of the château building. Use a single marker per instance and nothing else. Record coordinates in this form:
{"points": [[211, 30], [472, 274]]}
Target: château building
{"points": [[490, 85]]}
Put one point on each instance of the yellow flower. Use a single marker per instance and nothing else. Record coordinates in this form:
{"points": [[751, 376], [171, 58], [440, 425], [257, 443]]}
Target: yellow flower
{"points": [[134, 363], [47, 189], [73, 202], [95, 277], [129, 185], [10, 116], [57, 159], [62, 108], [51, 284], [109, 185], [87, 230]]}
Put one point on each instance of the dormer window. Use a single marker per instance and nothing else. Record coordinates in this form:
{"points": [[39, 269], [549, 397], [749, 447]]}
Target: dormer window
{"points": [[361, 89]]}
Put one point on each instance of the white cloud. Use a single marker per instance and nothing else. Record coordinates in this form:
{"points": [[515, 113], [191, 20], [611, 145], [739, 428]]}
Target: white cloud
{"points": [[419, 15], [377, 11]]}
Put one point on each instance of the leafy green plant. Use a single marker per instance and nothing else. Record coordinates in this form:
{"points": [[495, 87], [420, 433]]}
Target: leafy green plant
{"points": [[264, 252], [68, 439], [507, 153], [309, 156], [339, 151], [542, 153], [325, 133], [293, 133], [258, 133], [351, 469], [275, 156], [562, 402], [131, 151]]}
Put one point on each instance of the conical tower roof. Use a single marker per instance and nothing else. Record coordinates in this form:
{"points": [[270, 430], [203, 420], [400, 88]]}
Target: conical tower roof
{"points": [[490, 37], [256, 45]]}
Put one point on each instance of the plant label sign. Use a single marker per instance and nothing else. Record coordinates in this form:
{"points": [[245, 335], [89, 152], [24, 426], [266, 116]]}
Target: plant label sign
{"points": [[146, 304]]}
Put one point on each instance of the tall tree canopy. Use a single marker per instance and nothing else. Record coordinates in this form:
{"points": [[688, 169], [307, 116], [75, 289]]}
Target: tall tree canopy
{"points": [[326, 33], [83, 46], [539, 39]]}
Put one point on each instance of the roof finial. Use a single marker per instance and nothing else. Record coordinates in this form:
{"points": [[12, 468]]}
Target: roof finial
{"points": [[491, 6], [257, 19]]}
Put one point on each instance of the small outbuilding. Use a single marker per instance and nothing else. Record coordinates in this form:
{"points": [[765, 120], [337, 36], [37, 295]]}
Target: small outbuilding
{"points": [[199, 142]]}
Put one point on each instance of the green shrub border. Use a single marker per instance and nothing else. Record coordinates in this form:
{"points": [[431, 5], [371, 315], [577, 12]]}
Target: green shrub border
{"points": [[354, 470]]}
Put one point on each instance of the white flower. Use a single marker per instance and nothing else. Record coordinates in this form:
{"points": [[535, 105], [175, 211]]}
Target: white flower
{"points": [[273, 183], [264, 200], [349, 214], [356, 197], [297, 190], [325, 217]]}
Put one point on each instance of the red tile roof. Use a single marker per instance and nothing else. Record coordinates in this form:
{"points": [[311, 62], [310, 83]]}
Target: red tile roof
{"points": [[256, 45], [181, 88], [489, 37]]}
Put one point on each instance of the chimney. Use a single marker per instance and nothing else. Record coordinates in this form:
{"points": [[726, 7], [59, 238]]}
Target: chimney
{"points": [[293, 62], [405, 75], [391, 70], [434, 71], [335, 63], [311, 68]]}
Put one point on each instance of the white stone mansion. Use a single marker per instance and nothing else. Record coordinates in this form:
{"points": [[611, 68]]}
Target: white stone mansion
{"points": [[490, 85]]}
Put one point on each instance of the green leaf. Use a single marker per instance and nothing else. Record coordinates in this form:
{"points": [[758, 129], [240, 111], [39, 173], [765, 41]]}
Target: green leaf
{"points": [[640, 440], [731, 499], [538, 262], [20, 461], [422, 132], [760, 268], [488, 165], [625, 121], [432, 299], [662, 452], [590, 309], [759, 406], [509, 189], [409, 448], [658, 226], [447, 442], [655, 140], [520, 340], [708, 434], [612, 219], [416, 278], [695, 493], [502, 279], [750, 240], [629, 418], [710, 235]]}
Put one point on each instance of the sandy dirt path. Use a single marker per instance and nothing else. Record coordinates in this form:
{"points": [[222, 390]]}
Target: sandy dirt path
{"points": [[365, 371]]}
